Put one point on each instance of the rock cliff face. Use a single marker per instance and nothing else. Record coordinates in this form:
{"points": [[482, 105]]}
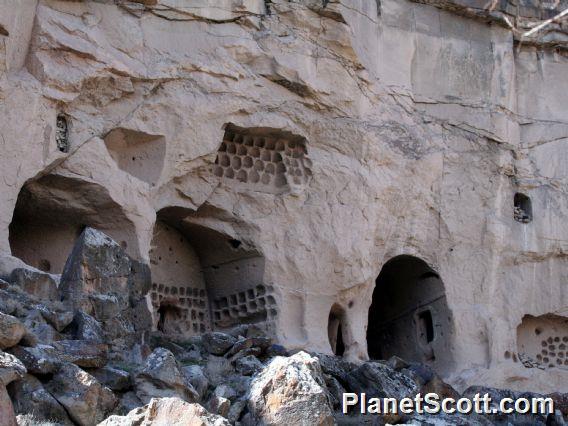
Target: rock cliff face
{"points": [[368, 178]]}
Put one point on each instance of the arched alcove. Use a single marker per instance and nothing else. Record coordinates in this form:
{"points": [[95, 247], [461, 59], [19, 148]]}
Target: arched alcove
{"points": [[215, 280], [52, 211], [137, 153], [409, 316], [336, 329]]}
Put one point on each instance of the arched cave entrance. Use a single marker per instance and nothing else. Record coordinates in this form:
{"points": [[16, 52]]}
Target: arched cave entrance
{"points": [[409, 316], [213, 279], [52, 211], [335, 330]]}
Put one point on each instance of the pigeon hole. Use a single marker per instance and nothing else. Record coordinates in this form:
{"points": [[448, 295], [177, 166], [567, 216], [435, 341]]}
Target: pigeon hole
{"points": [[263, 159]]}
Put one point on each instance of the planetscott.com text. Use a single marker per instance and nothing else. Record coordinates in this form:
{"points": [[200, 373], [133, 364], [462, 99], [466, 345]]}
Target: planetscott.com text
{"points": [[432, 403]]}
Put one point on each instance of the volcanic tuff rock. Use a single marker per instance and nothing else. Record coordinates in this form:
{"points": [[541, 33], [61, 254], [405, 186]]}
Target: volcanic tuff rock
{"points": [[355, 178]]}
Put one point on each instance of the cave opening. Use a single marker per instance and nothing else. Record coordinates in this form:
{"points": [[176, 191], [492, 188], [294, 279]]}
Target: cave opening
{"points": [[409, 316], [53, 210], [335, 330], [522, 208], [214, 279]]}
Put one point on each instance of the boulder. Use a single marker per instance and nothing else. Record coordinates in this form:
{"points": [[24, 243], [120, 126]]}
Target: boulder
{"points": [[381, 381], [40, 360], [197, 378], [225, 391], [30, 397], [248, 365], [82, 352], [8, 417], [246, 343], [167, 411], [40, 329], [439, 387], [236, 410], [87, 401], [8, 304], [97, 265], [290, 391], [219, 405], [35, 282], [58, 319], [128, 402], [276, 350], [11, 331], [113, 378], [163, 377], [335, 366], [140, 279], [10, 368], [217, 343], [397, 363], [85, 327]]}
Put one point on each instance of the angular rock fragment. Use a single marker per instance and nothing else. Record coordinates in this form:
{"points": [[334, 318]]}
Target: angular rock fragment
{"points": [[85, 327], [36, 283], [248, 365], [197, 378], [97, 265], [217, 343], [56, 318], [40, 360], [290, 391], [11, 368], [219, 405], [86, 401], [82, 352], [6, 408], [113, 378], [167, 411], [11, 331], [381, 381], [30, 397], [163, 377]]}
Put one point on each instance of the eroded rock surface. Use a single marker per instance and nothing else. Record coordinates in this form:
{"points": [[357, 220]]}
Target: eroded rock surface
{"points": [[291, 391], [233, 181]]}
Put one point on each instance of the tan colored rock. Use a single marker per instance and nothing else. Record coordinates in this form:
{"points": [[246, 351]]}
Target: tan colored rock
{"points": [[162, 376], [311, 167], [290, 391], [86, 401], [8, 417], [167, 411], [11, 331]]}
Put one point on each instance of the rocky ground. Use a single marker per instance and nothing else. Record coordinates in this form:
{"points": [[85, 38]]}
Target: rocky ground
{"points": [[78, 349]]}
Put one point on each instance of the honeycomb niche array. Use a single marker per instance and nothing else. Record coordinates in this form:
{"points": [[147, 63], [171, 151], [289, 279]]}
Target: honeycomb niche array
{"points": [[543, 341], [263, 159]]}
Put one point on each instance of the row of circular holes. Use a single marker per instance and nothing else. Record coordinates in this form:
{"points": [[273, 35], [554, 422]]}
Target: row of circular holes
{"points": [[252, 175], [262, 142], [256, 151], [549, 351], [277, 166]]}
